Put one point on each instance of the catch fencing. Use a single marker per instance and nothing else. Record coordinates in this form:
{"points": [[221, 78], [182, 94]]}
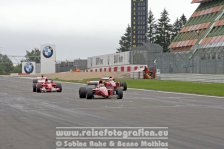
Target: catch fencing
{"points": [[203, 61], [71, 65]]}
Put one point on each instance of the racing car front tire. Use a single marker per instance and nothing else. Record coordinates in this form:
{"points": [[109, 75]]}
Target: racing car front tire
{"points": [[119, 93], [124, 85], [39, 86], [34, 87], [35, 81], [89, 93], [58, 85], [82, 92]]}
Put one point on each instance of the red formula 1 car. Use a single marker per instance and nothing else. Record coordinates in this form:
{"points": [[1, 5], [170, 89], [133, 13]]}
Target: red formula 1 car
{"points": [[98, 88], [110, 83], [44, 85]]}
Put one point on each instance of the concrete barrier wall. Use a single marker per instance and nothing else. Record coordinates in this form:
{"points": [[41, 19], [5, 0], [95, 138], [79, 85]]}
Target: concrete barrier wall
{"points": [[121, 68], [213, 78], [115, 59]]}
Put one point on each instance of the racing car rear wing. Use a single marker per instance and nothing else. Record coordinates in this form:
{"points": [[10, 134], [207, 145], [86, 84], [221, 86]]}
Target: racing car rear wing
{"points": [[92, 82]]}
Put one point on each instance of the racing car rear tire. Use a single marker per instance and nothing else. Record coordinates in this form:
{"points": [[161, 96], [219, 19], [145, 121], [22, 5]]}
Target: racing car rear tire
{"points": [[35, 80], [82, 92], [58, 85], [89, 93], [39, 86], [124, 85], [119, 93], [34, 87]]}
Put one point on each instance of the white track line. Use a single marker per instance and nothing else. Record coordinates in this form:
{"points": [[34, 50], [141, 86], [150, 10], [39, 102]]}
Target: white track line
{"points": [[176, 93]]}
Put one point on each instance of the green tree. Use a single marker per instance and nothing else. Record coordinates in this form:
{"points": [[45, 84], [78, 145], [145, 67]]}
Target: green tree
{"points": [[151, 33], [176, 28], [17, 68], [178, 25], [125, 41], [6, 65], [164, 31], [33, 56], [183, 20]]}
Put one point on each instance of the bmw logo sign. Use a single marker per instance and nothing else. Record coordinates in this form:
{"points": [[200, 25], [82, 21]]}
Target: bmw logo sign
{"points": [[48, 51], [28, 68]]}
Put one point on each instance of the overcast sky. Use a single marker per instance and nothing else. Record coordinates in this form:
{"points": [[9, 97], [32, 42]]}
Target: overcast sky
{"points": [[78, 28]]}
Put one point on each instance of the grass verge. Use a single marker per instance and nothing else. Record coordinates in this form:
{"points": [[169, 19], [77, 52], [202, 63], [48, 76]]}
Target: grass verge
{"points": [[212, 89], [201, 88]]}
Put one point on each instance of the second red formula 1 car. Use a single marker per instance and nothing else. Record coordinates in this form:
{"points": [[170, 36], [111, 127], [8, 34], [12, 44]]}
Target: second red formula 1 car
{"points": [[98, 88], [45, 85]]}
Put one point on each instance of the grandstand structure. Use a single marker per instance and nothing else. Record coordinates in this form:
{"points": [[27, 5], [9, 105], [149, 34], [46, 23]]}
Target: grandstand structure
{"points": [[203, 30]]}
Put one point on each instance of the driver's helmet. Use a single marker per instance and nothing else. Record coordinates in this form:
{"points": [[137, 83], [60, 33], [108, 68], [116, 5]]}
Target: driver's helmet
{"points": [[101, 84], [46, 80], [111, 78], [42, 77]]}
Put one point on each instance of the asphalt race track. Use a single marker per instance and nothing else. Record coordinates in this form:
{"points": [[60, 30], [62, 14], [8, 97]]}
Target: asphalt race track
{"points": [[28, 120]]}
